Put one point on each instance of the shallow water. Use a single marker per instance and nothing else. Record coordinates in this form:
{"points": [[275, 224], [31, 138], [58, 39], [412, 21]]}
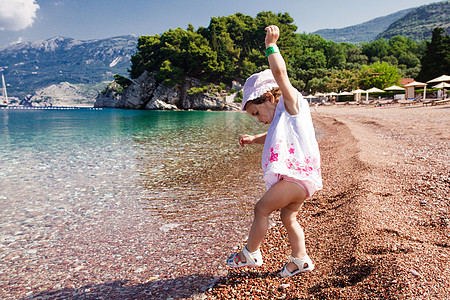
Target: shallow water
{"points": [[175, 183], [180, 175]]}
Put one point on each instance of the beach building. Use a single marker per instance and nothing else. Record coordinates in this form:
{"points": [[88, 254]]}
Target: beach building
{"points": [[409, 91]]}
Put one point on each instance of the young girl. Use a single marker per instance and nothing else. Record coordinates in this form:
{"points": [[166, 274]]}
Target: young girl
{"points": [[290, 160]]}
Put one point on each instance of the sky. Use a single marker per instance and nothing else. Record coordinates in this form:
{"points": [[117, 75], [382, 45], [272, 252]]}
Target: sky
{"points": [[32, 20]]}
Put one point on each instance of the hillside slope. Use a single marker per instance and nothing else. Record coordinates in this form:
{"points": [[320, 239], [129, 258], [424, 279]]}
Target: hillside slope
{"points": [[29, 67], [364, 32], [418, 23]]}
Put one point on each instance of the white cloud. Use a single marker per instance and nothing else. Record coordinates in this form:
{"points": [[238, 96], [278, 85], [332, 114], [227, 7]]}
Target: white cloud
{"points": [[17, 14]]}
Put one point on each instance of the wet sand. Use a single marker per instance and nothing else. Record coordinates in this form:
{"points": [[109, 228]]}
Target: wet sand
{"points": [[380, 228]]}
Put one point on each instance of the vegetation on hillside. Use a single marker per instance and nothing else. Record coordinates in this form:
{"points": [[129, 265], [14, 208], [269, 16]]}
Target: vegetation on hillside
{"points": [[232, 48], [419, 23], [364, 32]]}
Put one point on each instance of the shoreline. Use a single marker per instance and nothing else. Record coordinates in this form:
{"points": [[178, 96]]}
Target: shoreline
{"points": [[22, 107], [380, 228]]}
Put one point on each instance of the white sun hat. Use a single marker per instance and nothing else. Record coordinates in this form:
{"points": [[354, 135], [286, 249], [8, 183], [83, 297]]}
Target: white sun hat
{"points": [[258, 84]]}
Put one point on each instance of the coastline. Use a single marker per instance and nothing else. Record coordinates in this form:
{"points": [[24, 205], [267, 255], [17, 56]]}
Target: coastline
{"points": [[380, 228], [22, 107]]}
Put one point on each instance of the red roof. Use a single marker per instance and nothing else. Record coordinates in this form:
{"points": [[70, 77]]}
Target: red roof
{"points": [[405, 81]]}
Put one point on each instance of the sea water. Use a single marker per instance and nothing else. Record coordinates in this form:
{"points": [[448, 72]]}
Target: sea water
{"points": [[182, 174], [162, 190]]}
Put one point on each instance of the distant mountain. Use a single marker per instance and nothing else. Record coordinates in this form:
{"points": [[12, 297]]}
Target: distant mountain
{"points": [[364, 32], [64, 94], [418, 23], [29, 67]]}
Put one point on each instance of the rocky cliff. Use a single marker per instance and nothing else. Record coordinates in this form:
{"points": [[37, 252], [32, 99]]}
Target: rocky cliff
{"points": [[146, 93]]}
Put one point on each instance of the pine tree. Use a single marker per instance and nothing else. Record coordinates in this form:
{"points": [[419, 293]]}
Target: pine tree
{"points": [[436, 60]]}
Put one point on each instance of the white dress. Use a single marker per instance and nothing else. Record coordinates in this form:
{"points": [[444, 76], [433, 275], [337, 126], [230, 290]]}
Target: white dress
{"points": [[291, 148]]}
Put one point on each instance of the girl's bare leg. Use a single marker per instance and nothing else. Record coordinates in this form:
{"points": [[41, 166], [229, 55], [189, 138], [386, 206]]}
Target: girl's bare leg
{"points": [[288, 197], [295, 232]]}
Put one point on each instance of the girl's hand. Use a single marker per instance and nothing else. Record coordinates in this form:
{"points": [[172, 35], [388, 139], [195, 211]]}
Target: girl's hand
{"points": [[246, 140], [272, 35]]}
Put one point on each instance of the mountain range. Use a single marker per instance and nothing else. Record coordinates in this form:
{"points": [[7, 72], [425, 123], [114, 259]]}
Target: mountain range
{"points": [[32, 69], [415, 23], [29, 67], [364, 32], [418, 23]]}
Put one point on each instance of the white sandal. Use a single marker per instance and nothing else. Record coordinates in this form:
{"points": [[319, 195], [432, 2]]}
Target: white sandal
{"points": [[300, 262], [253, 259]]}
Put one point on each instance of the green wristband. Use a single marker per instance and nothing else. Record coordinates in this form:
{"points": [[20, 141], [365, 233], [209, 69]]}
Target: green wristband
{"points": [[271, 50]]}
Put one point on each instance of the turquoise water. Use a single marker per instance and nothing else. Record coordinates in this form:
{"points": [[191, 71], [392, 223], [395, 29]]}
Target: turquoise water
{"points": [[49, 154], [129, 185], [123, 195]]}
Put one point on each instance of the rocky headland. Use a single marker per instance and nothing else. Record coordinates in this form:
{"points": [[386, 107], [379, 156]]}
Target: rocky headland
{"points": [[146, 92]]}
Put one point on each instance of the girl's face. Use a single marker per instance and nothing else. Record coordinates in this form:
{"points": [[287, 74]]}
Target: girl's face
{"points": [[264, 112]]}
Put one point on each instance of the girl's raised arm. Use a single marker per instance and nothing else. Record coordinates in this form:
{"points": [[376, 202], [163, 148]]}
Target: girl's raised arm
{"points": [[279, 71]]}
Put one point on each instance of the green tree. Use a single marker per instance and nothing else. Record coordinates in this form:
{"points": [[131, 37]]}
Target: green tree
{"points": [[376, 50], [436, 60], [176, 53], [399, 51], [147, 57], [336, 55], [232, 47], [379, 74], [355, 57], [123, 81], [169, 74], [239, 41], [343, 80]]}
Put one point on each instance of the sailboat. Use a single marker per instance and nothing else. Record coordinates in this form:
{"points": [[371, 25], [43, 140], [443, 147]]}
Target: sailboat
{"points": [[4, 95]]}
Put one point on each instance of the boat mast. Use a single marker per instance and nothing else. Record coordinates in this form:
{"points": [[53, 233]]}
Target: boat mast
{"points": [[4, 93]]}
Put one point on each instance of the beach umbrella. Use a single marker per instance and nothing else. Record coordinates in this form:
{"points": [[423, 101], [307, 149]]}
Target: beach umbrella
{"points": [[332, 94], [393, 89], [357, 94], [415, 84], [345, 94], [440, 79], [442, 85], [373, 90]]}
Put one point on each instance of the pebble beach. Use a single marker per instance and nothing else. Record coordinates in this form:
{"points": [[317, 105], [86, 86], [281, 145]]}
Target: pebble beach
{"points": [[379, 229]]}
